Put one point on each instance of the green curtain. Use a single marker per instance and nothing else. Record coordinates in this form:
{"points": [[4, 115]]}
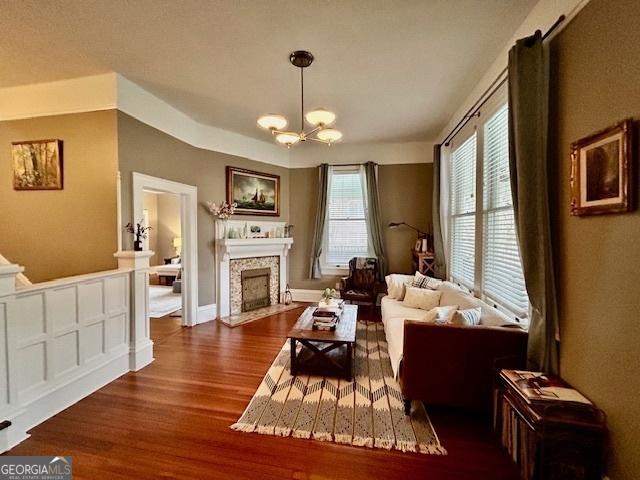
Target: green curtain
{"points": [[438, 244], [528, 124], [321, 213], [374, 218]]}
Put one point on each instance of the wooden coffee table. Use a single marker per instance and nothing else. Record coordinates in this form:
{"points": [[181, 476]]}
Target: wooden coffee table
{"points": [[324, 352]]}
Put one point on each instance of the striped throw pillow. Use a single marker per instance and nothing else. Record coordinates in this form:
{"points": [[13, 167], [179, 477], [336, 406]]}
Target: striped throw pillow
{"points": [[469, 317], [424, 281]]}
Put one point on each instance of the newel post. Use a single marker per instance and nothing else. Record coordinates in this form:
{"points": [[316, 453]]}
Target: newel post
{"points": [[8, 275], [11, 432], [140, 344]]}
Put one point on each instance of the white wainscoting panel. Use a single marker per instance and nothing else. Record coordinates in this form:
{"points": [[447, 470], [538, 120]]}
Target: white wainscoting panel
{"points": [[62, 340]]}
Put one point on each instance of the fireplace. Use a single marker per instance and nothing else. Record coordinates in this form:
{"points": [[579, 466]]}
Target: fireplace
{"points": [[256, 291], [234, 255]]}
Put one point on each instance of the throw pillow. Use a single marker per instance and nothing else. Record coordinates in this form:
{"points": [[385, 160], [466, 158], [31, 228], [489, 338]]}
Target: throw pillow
{"points": [[396, 284], [427, 317], [402, 288], [424, 281], [470, 317], [422, 298], [445, 314], [392, 291]]}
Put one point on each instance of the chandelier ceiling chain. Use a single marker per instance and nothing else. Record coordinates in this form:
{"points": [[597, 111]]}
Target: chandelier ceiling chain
{"points": [[319, 118]]}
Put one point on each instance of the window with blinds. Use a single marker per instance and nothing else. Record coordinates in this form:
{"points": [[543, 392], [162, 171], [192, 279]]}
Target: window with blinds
{"points": [[483, 247], [503, 281], [346, 228], [463, 212]]}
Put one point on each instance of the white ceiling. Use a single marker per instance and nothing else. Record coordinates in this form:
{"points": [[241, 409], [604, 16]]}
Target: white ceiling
{"points": [[392, 70]]}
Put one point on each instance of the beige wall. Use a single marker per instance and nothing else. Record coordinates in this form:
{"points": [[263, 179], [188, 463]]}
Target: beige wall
{"points": [[405, 195], [597, 69], [143, 149], [58, 233], [168, 225]]}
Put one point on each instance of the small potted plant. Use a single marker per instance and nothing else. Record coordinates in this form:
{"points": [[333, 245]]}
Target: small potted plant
{"points": [[140, 232], [328, 294], [222, 213]]}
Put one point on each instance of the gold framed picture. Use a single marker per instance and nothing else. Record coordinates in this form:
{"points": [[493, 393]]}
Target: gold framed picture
{"points": [[601, 171], [37, 165], [254, 193]]}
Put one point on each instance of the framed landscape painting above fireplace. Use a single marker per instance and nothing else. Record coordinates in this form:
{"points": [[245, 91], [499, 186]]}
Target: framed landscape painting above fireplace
{"points": [[254, 193]]}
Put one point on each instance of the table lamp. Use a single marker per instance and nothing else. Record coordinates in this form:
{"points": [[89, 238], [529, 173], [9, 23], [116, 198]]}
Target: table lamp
{"points": [[177, 244]]}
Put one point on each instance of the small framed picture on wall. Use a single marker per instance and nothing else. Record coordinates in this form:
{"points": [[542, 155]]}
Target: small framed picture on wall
{"points": [[601, 171], [37, 165]]}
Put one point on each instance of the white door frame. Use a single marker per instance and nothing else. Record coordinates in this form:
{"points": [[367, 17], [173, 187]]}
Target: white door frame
{"points": [[189, 231]]}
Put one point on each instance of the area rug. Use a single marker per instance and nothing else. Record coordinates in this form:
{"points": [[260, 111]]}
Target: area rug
{"points": [[253, 315], [367, 411], [162, 301]]}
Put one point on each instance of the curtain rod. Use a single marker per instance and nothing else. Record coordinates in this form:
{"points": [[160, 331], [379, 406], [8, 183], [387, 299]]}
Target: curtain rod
{"points": [[495, 85], [348, 164]]}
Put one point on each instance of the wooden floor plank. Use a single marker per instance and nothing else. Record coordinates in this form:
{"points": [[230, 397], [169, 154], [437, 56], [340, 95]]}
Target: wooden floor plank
{"points": [[171, 420]]}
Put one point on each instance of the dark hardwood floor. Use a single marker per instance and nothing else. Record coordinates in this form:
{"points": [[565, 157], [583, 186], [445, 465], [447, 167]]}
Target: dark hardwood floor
{"points": [[171, 420]]}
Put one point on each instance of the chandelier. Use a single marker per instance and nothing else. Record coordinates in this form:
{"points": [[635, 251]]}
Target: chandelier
{"points": [[320, 119]]}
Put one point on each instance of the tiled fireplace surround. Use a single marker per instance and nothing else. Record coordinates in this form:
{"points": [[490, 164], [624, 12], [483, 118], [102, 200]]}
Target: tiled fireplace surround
{"points": [[234, 255], [238, 265]]}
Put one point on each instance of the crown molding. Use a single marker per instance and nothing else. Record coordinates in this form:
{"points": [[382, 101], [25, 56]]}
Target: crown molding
{"points": [[147, 108], [74, 95], [112, 91], [349, 153]]}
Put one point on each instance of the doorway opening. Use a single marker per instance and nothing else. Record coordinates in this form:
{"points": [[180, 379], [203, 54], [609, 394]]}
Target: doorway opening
{"points": [[162, 214], [172, 208]]}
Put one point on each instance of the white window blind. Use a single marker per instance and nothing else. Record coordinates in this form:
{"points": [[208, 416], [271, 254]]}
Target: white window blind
{"points": [[346, 230], [503, 281], [463, 209]]}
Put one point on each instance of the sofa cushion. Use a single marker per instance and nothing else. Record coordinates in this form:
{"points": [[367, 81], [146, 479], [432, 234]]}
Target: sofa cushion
{"points": [[422, 298], [393, 308], [394, 313], [454, 295]]}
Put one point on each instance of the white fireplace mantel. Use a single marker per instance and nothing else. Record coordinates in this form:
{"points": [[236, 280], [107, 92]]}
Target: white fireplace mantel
{"points": [[230, 248]]}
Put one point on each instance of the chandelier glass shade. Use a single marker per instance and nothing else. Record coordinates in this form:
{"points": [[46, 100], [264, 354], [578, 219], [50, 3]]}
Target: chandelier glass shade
{"points": [[287, 138], [272, 121], [319, 118], [329, 135]]}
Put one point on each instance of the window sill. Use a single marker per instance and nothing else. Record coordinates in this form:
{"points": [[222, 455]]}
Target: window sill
{"points": [[328, 271]]}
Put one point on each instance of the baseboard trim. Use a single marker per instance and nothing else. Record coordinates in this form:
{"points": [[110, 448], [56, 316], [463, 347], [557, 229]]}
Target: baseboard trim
{"points": [[61, 397], [302, 295], [206, 313], [141, 355]]}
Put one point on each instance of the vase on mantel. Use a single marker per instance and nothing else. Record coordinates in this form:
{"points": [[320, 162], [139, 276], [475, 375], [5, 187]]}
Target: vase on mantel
{"points": [[222, 226]]}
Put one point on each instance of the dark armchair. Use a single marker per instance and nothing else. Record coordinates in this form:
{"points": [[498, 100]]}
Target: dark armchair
{"points": [[362, 283]]}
